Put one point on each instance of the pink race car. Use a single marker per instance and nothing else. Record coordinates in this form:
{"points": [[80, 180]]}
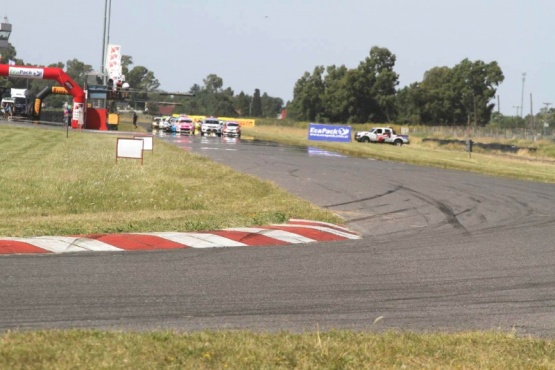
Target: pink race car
{"points": [[185, 125]]}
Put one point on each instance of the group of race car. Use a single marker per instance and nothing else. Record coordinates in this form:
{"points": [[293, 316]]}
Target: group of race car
{"points": [[209, 126], [212, 126]]}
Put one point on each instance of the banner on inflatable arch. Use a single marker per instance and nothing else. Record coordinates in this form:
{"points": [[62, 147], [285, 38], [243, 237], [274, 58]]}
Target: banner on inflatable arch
{"points": [[322, 132]]}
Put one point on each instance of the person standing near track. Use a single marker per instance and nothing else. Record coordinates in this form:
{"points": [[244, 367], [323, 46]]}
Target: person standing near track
{"points": [[9, 111], [67, 119], [135, 119]]}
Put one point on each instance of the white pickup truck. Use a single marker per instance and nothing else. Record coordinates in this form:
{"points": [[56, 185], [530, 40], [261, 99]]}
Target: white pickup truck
{"points": [[381, 135]]}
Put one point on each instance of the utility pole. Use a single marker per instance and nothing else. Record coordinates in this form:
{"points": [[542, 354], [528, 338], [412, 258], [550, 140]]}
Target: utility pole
{"points": [[546, 107], [533, 121], [517, 108], [522, 95], [475, 112], [545, 123]]}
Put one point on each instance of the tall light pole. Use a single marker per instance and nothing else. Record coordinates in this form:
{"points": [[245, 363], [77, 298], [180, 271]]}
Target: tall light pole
{"points": [[522, 95], [547, 107], [106, 35], [516, 121], [109, 23]]}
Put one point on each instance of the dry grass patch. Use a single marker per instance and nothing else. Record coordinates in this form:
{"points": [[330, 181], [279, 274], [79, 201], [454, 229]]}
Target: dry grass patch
{"points": [[82, 349]]}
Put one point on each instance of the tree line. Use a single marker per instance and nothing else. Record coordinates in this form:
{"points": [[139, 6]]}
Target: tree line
{"points": [[370, 93], [459, 95], [447, 96]]}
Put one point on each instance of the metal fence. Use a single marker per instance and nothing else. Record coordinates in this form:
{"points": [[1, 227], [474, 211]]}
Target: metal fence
{"points": [[546, 133], [47, 118]]}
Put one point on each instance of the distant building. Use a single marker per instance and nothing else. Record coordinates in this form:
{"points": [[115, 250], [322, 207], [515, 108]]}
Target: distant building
{"points": [[166, 110]]}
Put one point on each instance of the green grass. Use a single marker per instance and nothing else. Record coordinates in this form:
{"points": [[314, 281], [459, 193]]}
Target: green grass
{"points": [[53, 185], [83, 349]]}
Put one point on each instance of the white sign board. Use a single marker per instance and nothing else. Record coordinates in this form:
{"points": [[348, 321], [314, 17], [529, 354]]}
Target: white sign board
{"points": [[148, 145], [129, 148]]}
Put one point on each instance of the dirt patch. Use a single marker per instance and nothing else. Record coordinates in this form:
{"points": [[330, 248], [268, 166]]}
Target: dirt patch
{"points": [[504, 148]]}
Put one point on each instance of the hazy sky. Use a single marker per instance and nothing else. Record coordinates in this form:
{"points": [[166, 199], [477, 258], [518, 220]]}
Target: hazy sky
{"points": [[270, 44]]}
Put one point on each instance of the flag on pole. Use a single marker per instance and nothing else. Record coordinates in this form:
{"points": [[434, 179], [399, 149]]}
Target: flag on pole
{"points": [[113, 62]]}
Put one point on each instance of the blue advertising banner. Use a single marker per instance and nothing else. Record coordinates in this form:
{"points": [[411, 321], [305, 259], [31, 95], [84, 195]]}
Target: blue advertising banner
{"points": [[321, 132]]}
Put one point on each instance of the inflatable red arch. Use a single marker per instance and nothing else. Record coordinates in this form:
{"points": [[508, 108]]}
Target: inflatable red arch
{"points": [[48, 73]]}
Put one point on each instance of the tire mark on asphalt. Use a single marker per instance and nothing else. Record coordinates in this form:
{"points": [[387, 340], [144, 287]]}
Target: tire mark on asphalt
{"points": [[515, 226], [377, 215], [328, 188], [364, 199], [528, 210], [450, 216], [292, 173]]}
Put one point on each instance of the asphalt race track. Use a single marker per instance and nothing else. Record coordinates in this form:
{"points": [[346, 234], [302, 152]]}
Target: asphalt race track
{"points": [[441, 250]]}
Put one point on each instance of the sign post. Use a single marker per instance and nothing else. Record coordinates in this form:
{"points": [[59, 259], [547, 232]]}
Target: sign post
{"points": [[129, 148]]}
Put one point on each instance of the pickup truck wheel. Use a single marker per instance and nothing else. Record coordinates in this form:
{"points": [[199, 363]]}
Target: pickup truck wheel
{"points": [[365, 140], [398, 142]]}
